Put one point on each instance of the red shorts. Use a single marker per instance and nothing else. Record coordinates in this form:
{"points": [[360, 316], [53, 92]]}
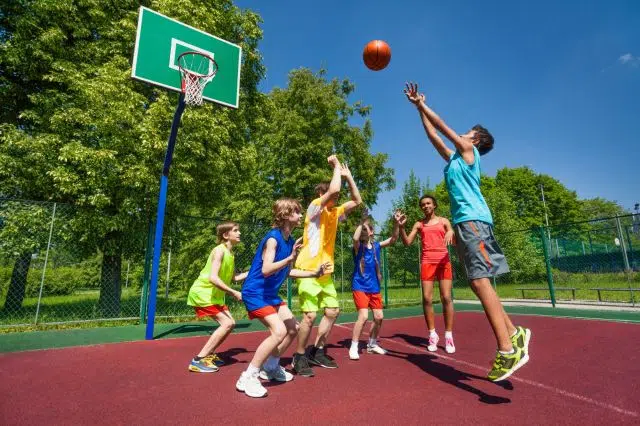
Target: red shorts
{"points": [[265, 311], [367, 300], [209, 311], [436, 271]]}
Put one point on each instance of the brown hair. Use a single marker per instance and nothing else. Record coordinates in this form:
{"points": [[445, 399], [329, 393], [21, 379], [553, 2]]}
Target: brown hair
{"points": [[223, 228], [321, 188], [283, 208], [484, 138]]}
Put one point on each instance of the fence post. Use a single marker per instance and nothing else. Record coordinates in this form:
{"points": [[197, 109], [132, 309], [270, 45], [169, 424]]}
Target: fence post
{"points": [[46, 259], [545, 250], [289, 294], [386, 276], [148, 254], [623, 246]]}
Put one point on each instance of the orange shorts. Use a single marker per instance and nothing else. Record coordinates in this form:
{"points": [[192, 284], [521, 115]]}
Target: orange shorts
{"points": [[209, 311], [436, 271], [265, 311], [367, 300]]}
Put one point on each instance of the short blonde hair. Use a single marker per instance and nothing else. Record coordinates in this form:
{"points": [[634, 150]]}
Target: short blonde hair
{"points": [[223, 228], [283, 208]]}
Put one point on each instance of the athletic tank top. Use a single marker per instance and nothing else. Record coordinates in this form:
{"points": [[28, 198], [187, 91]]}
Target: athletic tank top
{"points": [[203, 292], [258, 288], [366, 265], [434, 249]]}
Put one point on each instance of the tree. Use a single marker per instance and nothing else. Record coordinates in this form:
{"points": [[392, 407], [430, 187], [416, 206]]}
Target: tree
{"points": [[82, 131], [597, 208]]}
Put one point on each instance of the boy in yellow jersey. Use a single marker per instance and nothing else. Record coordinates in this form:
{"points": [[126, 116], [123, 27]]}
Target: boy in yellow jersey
{"points": [[206, 295], [320, 226]]}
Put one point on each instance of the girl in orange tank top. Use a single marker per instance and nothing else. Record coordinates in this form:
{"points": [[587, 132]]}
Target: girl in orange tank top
{"points": [[436, 234]]}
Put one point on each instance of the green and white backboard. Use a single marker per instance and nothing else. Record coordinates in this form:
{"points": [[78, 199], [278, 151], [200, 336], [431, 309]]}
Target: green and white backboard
{"points": [[159, 42]]}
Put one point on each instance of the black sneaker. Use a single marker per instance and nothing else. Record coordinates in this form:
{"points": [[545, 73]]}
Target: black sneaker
{"points": [[301, 366], [322, 359]]}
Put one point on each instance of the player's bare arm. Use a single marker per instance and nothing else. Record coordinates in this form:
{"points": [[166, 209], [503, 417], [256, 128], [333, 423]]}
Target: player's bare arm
{"points": [[334, 184], [356, 199], [396, 230]]}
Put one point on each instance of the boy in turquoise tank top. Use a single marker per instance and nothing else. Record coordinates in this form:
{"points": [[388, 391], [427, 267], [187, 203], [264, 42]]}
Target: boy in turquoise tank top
{"points": [[476, 245], [207, 295]]}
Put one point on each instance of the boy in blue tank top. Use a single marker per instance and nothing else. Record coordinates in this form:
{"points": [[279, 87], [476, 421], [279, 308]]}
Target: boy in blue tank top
{"points": [[365, 283], [270, 267], [476, 245]]}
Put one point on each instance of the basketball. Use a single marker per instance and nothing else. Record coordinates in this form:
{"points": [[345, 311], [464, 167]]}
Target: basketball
{"points": [[376, 55]]}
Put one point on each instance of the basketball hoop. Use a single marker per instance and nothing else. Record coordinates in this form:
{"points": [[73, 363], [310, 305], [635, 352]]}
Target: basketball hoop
{"points": [[196, 71]]}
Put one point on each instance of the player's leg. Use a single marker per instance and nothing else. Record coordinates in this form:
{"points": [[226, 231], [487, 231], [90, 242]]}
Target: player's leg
{"points": [[248, 381], [428, 275], [205, 360], [446, 283], [328, 300], [308, 296], [376, 306], [361, 301], [272, 370]]}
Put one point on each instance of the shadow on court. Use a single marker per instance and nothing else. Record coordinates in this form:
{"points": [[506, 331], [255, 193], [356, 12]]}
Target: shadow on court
{"points": [[193, 329]]}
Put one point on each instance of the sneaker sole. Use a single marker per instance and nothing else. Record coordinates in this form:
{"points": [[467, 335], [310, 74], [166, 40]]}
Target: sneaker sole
{"points": [[527, 339], [255, 395], [317, 364], [450, 351], [198, 370], [377, 353], [522, 362], [432, 348], [275, 379]]}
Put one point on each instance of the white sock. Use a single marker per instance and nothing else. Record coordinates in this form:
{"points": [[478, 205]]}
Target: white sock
{"points": [[448, 334], [373, 341], [508, 352], [432, 333], [271, 363], [252, 371], [354, 344]]}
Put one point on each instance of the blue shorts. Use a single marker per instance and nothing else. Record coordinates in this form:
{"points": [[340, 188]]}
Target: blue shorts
{"points": [[254, 302]]}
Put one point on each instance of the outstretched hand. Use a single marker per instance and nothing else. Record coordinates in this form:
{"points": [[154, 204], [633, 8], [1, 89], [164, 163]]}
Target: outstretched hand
{"points": [[400, 217], [344, 171], [333, 160], [411, 92]]}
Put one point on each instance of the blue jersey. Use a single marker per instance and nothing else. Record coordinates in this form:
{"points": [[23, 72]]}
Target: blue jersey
{"points": [[463, 185], [365, 273], [259, 291]]}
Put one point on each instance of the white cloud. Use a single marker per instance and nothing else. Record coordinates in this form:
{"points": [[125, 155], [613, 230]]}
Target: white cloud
{"points": [[629, 59]]}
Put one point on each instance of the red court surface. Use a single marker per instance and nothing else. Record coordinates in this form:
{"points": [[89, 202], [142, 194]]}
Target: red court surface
{"points": [[580, 372]]}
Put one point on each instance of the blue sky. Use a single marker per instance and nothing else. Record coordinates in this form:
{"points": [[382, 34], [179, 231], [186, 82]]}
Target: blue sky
{"points": [[557, 83]]}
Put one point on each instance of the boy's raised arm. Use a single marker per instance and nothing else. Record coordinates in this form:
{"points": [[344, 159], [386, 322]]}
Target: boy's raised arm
{"points": [[462, 145], [356, 199]]}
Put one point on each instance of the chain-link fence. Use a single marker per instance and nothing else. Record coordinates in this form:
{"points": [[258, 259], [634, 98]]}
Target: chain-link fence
{"points": [[58, 264]]}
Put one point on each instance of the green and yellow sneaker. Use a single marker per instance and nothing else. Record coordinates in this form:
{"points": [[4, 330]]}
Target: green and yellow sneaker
{"points": [[521, 339], [507, 364]]}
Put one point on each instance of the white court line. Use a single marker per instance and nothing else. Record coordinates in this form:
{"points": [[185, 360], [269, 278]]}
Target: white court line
{"points": [[517, 379]]}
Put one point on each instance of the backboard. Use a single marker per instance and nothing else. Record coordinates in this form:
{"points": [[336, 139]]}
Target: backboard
{"points": [[159, 42]]}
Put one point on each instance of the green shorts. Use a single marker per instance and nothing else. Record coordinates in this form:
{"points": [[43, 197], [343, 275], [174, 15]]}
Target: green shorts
{"points": [[317, 293]]}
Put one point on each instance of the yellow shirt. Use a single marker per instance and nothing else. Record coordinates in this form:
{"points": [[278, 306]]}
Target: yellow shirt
{"points": [[319, 239]]}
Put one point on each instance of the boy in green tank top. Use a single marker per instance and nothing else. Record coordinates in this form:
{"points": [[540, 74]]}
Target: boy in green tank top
{"points": [[207, 295]]}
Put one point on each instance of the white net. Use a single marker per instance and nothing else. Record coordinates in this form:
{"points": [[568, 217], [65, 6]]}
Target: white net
{"points": [[193, 86], [197, 71]]}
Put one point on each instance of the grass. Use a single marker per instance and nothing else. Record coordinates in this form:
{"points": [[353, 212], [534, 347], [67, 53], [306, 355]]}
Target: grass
{"points": [[80, 310]]}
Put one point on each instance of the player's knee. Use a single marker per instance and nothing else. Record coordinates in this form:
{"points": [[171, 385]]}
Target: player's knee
{"points": [[332, 313], [309, 318], [378, 317], [363, 315], [280, 332], [446, 300], [427, 300], [228, 325]]}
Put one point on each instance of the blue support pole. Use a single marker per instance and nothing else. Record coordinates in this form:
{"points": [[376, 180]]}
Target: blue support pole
{"points": [[162, 202]]}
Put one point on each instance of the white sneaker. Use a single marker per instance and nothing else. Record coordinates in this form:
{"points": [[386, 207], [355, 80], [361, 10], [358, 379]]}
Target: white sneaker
{"points": [[353, 353], [376, 349], [279, 375], [250, 385], [433, 343], [449, 346]]}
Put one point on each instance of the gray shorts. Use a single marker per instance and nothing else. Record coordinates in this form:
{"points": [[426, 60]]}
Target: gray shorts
{"points": [[479, 251]]}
